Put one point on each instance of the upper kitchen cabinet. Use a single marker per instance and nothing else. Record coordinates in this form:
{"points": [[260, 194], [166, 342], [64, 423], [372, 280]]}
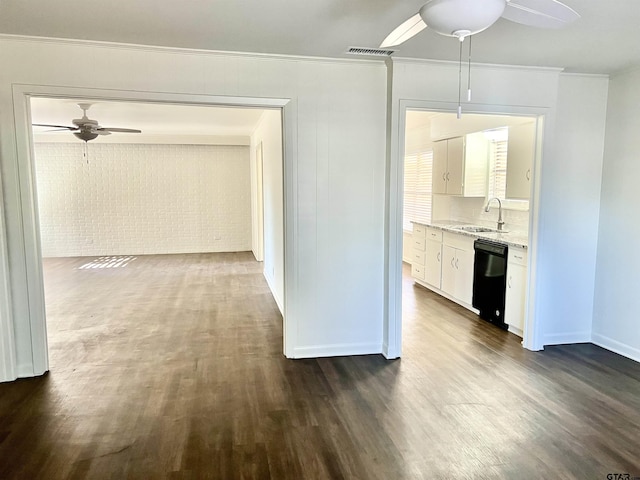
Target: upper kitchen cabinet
{"points": [[460, 165], [520, 152]]}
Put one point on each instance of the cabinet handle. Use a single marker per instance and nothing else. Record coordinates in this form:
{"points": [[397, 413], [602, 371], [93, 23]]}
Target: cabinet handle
{"points": [[456, 264], [438, 257], [509, 282], [444, 177], [528, 174], [447, 176], [517, 257], [452, 259]]}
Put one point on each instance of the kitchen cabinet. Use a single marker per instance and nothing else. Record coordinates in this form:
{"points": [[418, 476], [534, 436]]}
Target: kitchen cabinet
{"points": [[457, 266], [520, 153], [460, 166], [418, 238], [515, 299], [433, 257]]}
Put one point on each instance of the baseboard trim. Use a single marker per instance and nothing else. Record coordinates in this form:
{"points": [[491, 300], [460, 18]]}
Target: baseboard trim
{"points": [[339, 350], [388, 353], [567, 338], [616, 346], [25, 370], [273, 293]]}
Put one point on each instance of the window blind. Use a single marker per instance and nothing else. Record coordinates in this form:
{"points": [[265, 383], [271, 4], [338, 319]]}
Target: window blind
{"points": [[418, 170], [498, 169]]}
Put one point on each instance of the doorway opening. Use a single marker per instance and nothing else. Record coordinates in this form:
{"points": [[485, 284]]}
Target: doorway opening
{"points": [[158, 225], [463, 180]]}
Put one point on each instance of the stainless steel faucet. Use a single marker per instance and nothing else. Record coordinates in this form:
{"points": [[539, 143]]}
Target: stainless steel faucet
{"points": [[486, 209]]}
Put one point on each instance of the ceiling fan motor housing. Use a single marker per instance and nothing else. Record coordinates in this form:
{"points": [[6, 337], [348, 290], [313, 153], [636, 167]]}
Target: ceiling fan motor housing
{"points": [[450, 17], [86, 134]]}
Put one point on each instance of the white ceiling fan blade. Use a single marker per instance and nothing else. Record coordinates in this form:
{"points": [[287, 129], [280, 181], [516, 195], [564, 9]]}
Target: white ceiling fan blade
{"points": [[404, 32], [540, 13], [102, 132]]}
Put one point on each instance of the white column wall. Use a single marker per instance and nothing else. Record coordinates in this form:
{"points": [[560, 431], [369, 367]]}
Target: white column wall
{"points": [[570, 198], [616, 305], [335, 183], [512, 90], [269, 132]]}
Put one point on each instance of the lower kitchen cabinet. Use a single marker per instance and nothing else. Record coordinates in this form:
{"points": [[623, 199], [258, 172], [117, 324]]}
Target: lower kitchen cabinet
{"points": [[433, 263], [443, 261], [516, 294], [457, 273]]}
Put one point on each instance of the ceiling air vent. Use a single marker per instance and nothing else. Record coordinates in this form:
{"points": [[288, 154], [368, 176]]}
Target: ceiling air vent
{"points": [[375, 52]]}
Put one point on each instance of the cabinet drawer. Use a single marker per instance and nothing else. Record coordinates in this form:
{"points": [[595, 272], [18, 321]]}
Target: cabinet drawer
{"points": [[417, 271], [418, 244], [434, 234], [517, 256], [418, 230], [419, 258]]}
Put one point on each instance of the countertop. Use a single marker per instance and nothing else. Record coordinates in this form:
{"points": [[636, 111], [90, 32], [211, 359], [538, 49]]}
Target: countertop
{"points": [[512, 239]]}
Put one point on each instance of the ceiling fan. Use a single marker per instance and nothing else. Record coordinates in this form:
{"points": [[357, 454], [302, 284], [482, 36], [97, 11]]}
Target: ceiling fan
{"points": [[87, 129], [463, 18]]}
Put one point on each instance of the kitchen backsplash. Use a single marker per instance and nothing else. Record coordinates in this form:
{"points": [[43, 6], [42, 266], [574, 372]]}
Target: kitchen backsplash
{"points": [[471, 210]]}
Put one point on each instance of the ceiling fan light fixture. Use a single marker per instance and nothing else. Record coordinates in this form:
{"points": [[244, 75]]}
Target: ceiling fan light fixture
{"points": [[86, 135], [447, 17]]}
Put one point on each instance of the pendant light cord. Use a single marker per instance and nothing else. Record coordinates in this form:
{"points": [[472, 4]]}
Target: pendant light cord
{"points": [[469, 77], [460, 81]]}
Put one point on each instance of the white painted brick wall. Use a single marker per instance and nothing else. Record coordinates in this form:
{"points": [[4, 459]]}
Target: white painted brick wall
{"points": [[142, 199]]}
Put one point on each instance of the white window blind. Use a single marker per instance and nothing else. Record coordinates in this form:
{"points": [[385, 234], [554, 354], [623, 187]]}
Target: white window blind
{"points": [[498, 169], [418, 168]]}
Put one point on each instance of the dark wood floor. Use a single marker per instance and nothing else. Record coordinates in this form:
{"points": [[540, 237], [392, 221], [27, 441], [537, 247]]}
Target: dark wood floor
{"points": [[172, 367]]}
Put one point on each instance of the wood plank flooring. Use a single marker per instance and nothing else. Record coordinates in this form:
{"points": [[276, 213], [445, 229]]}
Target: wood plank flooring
{"points": [[172, 367]]}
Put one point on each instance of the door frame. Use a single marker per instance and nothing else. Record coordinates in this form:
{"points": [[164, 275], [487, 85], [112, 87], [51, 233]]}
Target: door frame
{"points": [[258, 205], [29, 210], [533, 331]]}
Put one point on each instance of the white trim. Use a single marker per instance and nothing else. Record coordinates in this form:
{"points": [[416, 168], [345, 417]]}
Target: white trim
{"points": [[567, 338], [392, 335], [339, 350], [33, 257], [455, 64], [182, 51], [274, 293], [8, 370], [616, 346]]}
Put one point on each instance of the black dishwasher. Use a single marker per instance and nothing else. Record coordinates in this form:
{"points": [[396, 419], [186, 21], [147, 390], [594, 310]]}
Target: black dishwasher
{"points": [[490, 280]]}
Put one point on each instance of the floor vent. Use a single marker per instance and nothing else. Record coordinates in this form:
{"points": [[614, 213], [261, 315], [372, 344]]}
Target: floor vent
{"points": [[376, 52]]}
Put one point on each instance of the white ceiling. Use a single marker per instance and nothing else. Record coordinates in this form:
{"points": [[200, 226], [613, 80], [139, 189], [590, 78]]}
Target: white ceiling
{"points": [[152, 119], [604, 40]]}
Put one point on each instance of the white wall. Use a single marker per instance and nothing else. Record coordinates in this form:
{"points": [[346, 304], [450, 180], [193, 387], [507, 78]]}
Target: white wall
{"points": [[142, 199], [616, 304], [335, 144], [511, 90], [269, 134], [570, 202]]}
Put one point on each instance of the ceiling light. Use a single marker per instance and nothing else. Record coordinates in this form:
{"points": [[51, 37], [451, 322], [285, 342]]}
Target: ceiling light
{"points": [[450, 17]]}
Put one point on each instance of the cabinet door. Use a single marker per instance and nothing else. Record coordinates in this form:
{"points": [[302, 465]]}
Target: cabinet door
{"points": [[439, 175], [433, 266], [464, 275], [448, 270], [515, 296], [520, 151], [455, 165]]}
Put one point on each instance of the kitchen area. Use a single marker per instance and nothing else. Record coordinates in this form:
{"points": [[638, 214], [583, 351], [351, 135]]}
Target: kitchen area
{"points": [[466, 224]]}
